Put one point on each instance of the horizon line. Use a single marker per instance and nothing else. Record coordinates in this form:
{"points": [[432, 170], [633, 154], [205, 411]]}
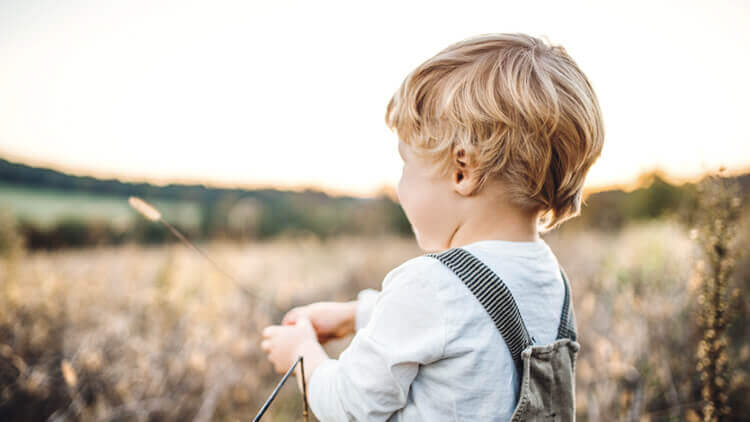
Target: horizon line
{"points": [[384, 189]]}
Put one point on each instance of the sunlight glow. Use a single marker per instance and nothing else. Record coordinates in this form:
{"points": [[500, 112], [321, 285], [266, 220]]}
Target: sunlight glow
{"points": [[293, 94]]}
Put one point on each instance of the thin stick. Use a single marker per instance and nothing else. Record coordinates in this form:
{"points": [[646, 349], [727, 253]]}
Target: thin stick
{"points": [[153, 214], [304, 387], [221, 270], [275, 391]]}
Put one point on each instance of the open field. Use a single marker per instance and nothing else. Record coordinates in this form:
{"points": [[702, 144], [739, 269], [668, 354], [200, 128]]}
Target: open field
{"points": [[45, 206], [155, 333]]}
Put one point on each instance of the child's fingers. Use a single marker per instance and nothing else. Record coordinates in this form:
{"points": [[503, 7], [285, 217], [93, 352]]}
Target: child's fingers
{"points": [[265, 345], [269, 331]]}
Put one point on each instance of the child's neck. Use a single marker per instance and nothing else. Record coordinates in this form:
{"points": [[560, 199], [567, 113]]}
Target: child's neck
{"points": [[500, 224]]}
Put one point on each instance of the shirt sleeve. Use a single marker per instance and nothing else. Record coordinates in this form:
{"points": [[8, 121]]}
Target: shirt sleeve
{"points": [[365, 302], [371, 378]]}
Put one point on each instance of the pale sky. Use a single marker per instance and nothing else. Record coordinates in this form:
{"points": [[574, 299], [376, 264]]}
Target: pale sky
{"points": [[293, 93]]}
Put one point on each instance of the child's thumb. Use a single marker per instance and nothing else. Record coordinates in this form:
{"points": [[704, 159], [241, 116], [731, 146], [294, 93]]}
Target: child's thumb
{"points": [[304, 320], [290, 318]]}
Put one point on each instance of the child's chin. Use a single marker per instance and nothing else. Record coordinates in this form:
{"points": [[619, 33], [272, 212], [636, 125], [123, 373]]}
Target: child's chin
{"points": [[417, 237], [426, 246]]}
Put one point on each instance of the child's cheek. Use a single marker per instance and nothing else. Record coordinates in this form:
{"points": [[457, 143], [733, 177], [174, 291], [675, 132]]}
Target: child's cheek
{"points": [[405, 196], [411, 198], [402, 190], [399, 189]]}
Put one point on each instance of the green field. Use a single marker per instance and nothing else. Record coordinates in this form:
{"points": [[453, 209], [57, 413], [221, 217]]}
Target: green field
{"points": [[44, 207]]}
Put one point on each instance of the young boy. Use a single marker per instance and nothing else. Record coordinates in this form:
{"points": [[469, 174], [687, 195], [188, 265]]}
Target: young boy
{"points": [[497, 134]]}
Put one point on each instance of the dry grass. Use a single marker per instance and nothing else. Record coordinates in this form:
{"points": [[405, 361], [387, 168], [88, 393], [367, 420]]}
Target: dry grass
{"points": [[135, 333]]}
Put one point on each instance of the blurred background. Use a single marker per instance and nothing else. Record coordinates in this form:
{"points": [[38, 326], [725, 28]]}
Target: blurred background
{"points": [[257, 130]]}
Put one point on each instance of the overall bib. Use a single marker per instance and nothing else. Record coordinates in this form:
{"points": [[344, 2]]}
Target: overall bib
{"points": [[547, 371]]}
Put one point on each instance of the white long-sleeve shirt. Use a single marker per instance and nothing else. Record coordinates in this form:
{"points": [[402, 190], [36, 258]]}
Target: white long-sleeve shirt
{"points": [[426, 350]]}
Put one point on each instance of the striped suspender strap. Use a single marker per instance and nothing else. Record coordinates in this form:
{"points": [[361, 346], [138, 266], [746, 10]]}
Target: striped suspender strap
{"points": [[494, 296], [567, 327], [497, 300]]}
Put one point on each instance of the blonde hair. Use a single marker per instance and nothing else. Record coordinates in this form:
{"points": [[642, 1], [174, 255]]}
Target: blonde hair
{"points": [[522, 111]]}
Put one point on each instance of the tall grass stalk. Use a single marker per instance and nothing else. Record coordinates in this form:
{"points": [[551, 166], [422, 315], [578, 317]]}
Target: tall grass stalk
{"points": [[716, 229]]}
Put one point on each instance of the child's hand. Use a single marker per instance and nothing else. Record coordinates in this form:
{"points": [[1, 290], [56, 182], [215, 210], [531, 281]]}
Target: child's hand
{"points": [[282, 343], [329, 319]]}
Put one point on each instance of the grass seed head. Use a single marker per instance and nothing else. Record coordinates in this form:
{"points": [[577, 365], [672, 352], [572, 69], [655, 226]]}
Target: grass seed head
{"points": [[144, 208]]}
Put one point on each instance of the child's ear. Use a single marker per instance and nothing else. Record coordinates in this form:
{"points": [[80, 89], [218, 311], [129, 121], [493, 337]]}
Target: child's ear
{"points": [[464, 173]]}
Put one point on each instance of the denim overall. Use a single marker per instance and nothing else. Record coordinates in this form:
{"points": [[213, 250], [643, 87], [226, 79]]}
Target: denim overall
{"points": [[547, 371]]}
